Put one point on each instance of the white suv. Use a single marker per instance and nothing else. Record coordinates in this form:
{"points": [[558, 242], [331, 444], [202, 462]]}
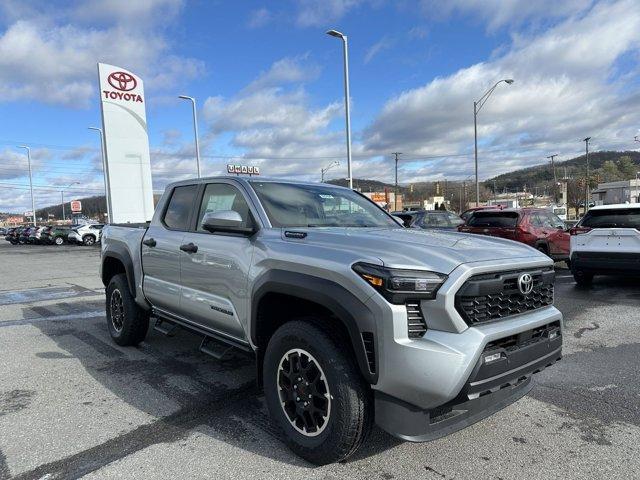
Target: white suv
{"points": [[606, 241], [87, 234]]}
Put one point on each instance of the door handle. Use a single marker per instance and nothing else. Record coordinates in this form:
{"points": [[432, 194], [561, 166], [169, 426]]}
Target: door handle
{"points": [[189, 248], [149, 242]]}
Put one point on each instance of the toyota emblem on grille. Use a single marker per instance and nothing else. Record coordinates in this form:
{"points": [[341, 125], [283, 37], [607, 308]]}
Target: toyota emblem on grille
{"points": [[122, 81], [525, 283]]}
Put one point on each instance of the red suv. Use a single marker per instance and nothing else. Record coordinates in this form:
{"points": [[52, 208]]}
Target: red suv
{"points": [[537, 227]]}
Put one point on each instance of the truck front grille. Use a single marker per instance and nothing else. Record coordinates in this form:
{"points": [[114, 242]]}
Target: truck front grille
{"points": [[487, 297], [415, 320]]}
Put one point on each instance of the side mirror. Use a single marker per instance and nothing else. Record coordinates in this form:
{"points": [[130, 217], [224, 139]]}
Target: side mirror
{"points": [[400, 220], [226, 221]]}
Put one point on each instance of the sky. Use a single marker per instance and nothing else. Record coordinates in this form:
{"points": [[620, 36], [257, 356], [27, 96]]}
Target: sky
{"points": [[269, 86]]}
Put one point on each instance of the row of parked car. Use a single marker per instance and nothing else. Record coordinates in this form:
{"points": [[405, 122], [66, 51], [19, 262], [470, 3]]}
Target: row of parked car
{"points": [[605, 241], [87, 234]]}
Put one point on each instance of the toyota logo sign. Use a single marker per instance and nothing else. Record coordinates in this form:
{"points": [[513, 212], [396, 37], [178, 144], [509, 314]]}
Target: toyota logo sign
{"points": [[122, 81], [525, 283]]}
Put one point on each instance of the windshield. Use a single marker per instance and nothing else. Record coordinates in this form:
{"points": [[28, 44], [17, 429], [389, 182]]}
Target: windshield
{"points": [[493, 219], [291, 205], [612, 218]]}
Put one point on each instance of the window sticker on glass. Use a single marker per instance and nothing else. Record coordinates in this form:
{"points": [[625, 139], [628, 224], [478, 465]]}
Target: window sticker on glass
{"points": [[326, 196]]}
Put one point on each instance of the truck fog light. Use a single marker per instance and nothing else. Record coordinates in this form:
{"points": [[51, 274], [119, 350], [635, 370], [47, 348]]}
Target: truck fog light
{"points": [[492, 358], [553, 334]]}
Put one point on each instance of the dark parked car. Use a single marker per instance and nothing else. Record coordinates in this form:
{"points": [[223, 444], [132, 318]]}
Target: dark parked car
{"points": [[35, 236], [24, 235], [438, 219], [56, 235], [14, 235], [537, 227]]}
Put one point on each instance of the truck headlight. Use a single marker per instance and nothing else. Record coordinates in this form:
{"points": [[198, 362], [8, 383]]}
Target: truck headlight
{"points": [[398, 285]]}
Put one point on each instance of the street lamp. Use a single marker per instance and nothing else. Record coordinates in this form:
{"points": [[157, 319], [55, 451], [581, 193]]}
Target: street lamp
{"points": [[345, 56], [637, 195], [33, 203], [105, 175], [195, 128], [586, 196], [62, 198], [395, 194], [326, 169], [477, 106]]}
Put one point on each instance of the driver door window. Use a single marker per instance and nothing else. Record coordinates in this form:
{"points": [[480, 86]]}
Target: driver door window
{"points": [[219, 197]]}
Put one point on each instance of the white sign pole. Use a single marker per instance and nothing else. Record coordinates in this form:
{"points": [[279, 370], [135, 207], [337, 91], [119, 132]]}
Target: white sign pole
{"points": [[126, 145]]}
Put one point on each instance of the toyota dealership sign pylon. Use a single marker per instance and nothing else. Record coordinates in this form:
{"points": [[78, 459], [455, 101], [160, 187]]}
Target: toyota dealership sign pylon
{"points": [[126, 145]]}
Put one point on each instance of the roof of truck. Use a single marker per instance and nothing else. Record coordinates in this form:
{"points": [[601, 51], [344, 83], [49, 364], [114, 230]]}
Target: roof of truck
{"points": [[248, 179]]}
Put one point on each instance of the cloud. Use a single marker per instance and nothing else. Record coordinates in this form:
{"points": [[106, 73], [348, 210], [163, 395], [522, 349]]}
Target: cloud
{"points": [[53, 59], [319, 13], [285, 71], [273, 119], [384, 43], [567, 86], [500, 13], [259, 18]]}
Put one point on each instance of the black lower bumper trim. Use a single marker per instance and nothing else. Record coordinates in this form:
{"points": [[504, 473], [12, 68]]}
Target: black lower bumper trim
{"points": [[412, 424], [606, 262]]}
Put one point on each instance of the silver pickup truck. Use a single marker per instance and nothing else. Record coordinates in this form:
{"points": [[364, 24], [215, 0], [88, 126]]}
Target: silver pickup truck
{"points": [[351, 318]]}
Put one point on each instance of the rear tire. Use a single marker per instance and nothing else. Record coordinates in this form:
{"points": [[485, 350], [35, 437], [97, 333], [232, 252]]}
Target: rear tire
{"points": [[324, 432], [127, 322], [582, 278]]}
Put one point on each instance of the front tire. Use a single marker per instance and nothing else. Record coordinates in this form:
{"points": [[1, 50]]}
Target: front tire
{"points": [[59, 241], [88, 240], [315, 393], [127, 322]]}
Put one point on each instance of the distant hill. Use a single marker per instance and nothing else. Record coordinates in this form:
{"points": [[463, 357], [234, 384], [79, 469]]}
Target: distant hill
{"points": [[606, 166]]}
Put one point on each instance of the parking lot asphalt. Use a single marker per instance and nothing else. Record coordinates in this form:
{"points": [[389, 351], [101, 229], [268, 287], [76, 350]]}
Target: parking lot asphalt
{"points": [[75, 405]]}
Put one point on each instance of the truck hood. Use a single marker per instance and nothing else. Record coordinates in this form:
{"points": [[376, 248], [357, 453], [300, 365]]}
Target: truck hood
{"points": [[437, 250]]}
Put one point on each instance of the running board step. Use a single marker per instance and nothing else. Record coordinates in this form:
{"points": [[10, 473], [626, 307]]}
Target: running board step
{"points": [[166, 327], [215, 348]]}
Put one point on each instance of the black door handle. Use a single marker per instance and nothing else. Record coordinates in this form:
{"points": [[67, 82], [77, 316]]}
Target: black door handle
{"points": [[149, 242], [189, 248]]}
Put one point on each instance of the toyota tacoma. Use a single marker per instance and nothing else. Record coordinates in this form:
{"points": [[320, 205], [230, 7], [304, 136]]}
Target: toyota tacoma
{"points": [[351, 318]]}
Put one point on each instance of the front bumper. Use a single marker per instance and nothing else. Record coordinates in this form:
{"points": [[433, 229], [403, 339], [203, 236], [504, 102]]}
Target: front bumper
{"points": [[74, 238], [446, 368]]}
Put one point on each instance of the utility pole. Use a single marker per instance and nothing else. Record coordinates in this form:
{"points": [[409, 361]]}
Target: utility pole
{"points": [[586, 202], [555, 178], [395, 195], [553, 167], [33, 204]]}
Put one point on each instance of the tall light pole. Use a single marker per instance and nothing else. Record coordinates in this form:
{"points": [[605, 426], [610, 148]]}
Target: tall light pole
{"points": [[33, 203], [105, 174], [345, 56], [637, 195], [586, 196], [555, 178], [327, 168], [477, 106], [195, 128], [395, 195], [62, 198]]}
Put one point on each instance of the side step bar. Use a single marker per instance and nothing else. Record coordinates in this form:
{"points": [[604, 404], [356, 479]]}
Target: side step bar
{"points": [[165, 327], [215, 344]]}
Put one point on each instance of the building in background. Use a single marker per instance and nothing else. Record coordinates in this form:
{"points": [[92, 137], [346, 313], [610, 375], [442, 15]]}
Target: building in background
{"points": [[617, 192]]}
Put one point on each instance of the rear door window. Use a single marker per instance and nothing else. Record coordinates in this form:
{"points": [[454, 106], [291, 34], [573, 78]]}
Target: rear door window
{"points": [[176, 217], [494, 219], [613, 218]]}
